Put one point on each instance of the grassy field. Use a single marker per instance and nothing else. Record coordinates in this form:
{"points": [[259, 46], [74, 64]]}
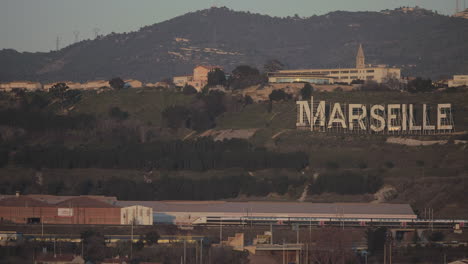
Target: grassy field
{"points": [[142, 104]]}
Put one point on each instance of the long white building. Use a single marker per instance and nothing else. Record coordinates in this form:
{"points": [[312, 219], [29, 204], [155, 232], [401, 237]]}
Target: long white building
{"points": [[199, 212], [363, 72]]}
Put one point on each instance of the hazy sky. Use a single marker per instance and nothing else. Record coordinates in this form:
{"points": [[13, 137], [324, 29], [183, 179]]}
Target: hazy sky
{"points": [[33, 25]]}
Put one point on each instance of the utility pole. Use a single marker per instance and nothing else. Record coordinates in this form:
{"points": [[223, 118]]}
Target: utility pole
{"points": [[284, 256], [131, 242], [385, 252], [271, 234], [201, 251], [297, 234], [220, 230], [185, 251]]}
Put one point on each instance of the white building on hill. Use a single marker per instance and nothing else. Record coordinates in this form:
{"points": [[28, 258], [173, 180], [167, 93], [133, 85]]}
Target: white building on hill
{"points": [[458, 80], [362, 72], [24, 85]]}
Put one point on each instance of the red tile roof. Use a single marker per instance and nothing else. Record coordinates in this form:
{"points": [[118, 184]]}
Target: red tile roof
{"points": [[57, 258], [210, 67], [115, 260]]}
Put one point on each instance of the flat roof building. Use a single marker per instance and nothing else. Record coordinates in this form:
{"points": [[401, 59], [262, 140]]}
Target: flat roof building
{"points": [[187, 211], [362, 72], [458, 81]]}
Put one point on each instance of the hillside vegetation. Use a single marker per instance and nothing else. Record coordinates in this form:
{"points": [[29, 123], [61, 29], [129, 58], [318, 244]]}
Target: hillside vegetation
{"points": [[422, 43], [115, 141]]}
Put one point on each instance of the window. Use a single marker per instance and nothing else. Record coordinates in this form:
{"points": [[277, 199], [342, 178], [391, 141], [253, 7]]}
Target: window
{"points": [[345, 72], [335, 72], [370, 77], [353, 71], [370, 70], [354, 77]]}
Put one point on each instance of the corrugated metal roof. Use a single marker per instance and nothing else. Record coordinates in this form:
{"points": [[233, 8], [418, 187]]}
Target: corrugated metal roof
{"points": [[278, 208], [22, 201], [85, 202]]}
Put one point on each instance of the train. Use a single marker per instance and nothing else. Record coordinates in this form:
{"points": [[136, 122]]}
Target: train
{"points": [[321, 222]]}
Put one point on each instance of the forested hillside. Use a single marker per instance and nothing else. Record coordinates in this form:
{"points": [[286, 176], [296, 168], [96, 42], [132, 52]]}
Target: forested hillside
{"points": [[422, 43]]}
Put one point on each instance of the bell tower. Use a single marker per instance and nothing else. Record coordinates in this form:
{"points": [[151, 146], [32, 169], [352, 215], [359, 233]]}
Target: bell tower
{"points": [[360, 59]]}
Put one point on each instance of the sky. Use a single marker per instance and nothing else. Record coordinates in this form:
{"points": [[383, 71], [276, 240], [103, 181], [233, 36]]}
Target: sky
{"points": [[34, 25]]}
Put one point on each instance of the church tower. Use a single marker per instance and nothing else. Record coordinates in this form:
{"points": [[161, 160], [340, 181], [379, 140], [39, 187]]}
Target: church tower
{"points": [[360, 59]]}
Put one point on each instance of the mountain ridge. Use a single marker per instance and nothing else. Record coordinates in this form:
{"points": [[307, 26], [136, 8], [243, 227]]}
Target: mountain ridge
{"points": [[421, 42]]}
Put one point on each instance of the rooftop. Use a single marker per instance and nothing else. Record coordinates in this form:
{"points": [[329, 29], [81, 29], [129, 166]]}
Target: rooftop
{"points": [[278, 208], [84, 201], [23, 201]]}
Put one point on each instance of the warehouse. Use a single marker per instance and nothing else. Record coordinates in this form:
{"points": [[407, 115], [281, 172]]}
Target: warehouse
{"points": [[24, 210], [81, 210]]}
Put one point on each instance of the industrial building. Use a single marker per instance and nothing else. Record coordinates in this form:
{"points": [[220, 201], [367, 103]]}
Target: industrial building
{"points": [[81, 210], [194, 212], [363, 72]]}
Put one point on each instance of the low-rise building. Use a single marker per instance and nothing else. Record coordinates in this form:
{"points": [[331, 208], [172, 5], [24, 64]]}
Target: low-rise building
{"points": [[116, 260], [182, 80], [23, 85], [93, 85], [462, 14], [198, 80], [136, 215], [458, 81], [58, 259], [130, 83], [23, 209]]}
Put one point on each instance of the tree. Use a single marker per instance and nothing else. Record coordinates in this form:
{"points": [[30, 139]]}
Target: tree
{"points": [[216, 77], [94, 245], [248, 100], [306, 92], [376, 239], [189, 89], [58, 91], [118, 114], [420, 85], [151, 238], [117, 83], [244, 76], [175, 116], [273, 66], [436, 236], [278, 95]]}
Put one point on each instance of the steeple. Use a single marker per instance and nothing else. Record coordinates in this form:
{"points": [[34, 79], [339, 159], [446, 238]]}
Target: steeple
{"points": [[360, 59]]}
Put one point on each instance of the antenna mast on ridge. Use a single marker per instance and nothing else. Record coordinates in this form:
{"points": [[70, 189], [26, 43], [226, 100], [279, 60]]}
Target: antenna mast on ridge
{"points": [[57, 43], [96, 32], [77, 35]]}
